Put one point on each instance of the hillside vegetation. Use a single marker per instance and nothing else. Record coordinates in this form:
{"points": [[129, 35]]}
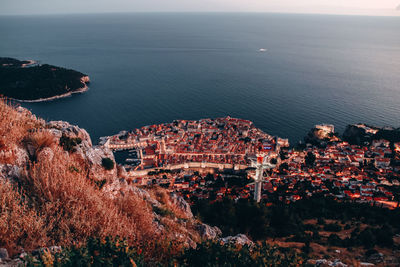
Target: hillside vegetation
{"points": [[56, 189], [51, 200]]}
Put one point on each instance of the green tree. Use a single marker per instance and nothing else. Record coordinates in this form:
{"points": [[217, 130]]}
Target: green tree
{"points": [[216, 254], [310, 159], [107, 163]]}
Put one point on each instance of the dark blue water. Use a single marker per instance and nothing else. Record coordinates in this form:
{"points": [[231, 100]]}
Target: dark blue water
{"points": [[154, 68]]}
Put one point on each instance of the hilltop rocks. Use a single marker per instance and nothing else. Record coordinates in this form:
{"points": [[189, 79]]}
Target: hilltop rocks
{"points": [[10, 172], [239, 239], [114, 188], [121, 186], [77, 143], [376, 257], [21, 156], [59, 128], [325, 262], [3, 254], [5, 260], [182, 204], [93, 155], [144, 195], [208, 232]]}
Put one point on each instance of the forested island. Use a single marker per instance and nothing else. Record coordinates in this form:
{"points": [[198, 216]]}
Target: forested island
{"points": [[32, 82]]}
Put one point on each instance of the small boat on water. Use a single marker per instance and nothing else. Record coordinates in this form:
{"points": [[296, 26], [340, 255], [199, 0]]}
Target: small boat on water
{"points": [[262, 50]]}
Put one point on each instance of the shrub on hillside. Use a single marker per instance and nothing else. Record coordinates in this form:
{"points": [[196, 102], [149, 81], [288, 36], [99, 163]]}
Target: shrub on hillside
{"points": [[117, 252], [100, 183], [369, 237], [107, 163], [334, 240], [69, 144], [19, 222], [216, 254], [36, 141], [332, 227], [14, 127], [96, 252]]}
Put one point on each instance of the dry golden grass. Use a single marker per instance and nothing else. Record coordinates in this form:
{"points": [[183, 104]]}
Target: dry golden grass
{"points": [[37, 140], [162, 196], [61, 206], [20, 225], [14, 126], [76, 210]]}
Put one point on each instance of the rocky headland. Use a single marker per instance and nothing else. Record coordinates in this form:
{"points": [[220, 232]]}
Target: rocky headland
{"points": [[29, 81]]}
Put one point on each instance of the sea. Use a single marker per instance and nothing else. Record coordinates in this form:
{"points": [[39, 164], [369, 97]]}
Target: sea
{"points": [[284, 72]]}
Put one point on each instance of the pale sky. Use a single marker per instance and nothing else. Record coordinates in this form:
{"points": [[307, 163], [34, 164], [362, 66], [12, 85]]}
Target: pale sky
{"points": [[362, 7]]}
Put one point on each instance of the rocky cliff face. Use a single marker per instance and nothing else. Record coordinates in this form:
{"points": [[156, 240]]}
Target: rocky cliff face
{"points": [[91, 155]]}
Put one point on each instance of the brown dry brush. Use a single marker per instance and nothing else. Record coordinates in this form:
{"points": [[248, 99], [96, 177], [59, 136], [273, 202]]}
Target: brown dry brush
{"points": [[37, 140], [56, 203], [76, 210], [162, 196], [14, 125], [87, 212], [20, 225]]}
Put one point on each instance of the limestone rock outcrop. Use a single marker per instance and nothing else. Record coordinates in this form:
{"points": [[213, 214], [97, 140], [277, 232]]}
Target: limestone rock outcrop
{"points": [[182, 204], [93, 155], [239, 239], [208, 232]]}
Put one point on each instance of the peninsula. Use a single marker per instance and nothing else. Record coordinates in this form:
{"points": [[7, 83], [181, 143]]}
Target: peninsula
{"points": [[222, 143], [29, 81]]}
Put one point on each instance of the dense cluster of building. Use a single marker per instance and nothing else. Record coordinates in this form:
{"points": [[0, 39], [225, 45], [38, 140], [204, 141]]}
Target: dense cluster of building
{"points": [[366, 173], [363, 173], [225, 141]]}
